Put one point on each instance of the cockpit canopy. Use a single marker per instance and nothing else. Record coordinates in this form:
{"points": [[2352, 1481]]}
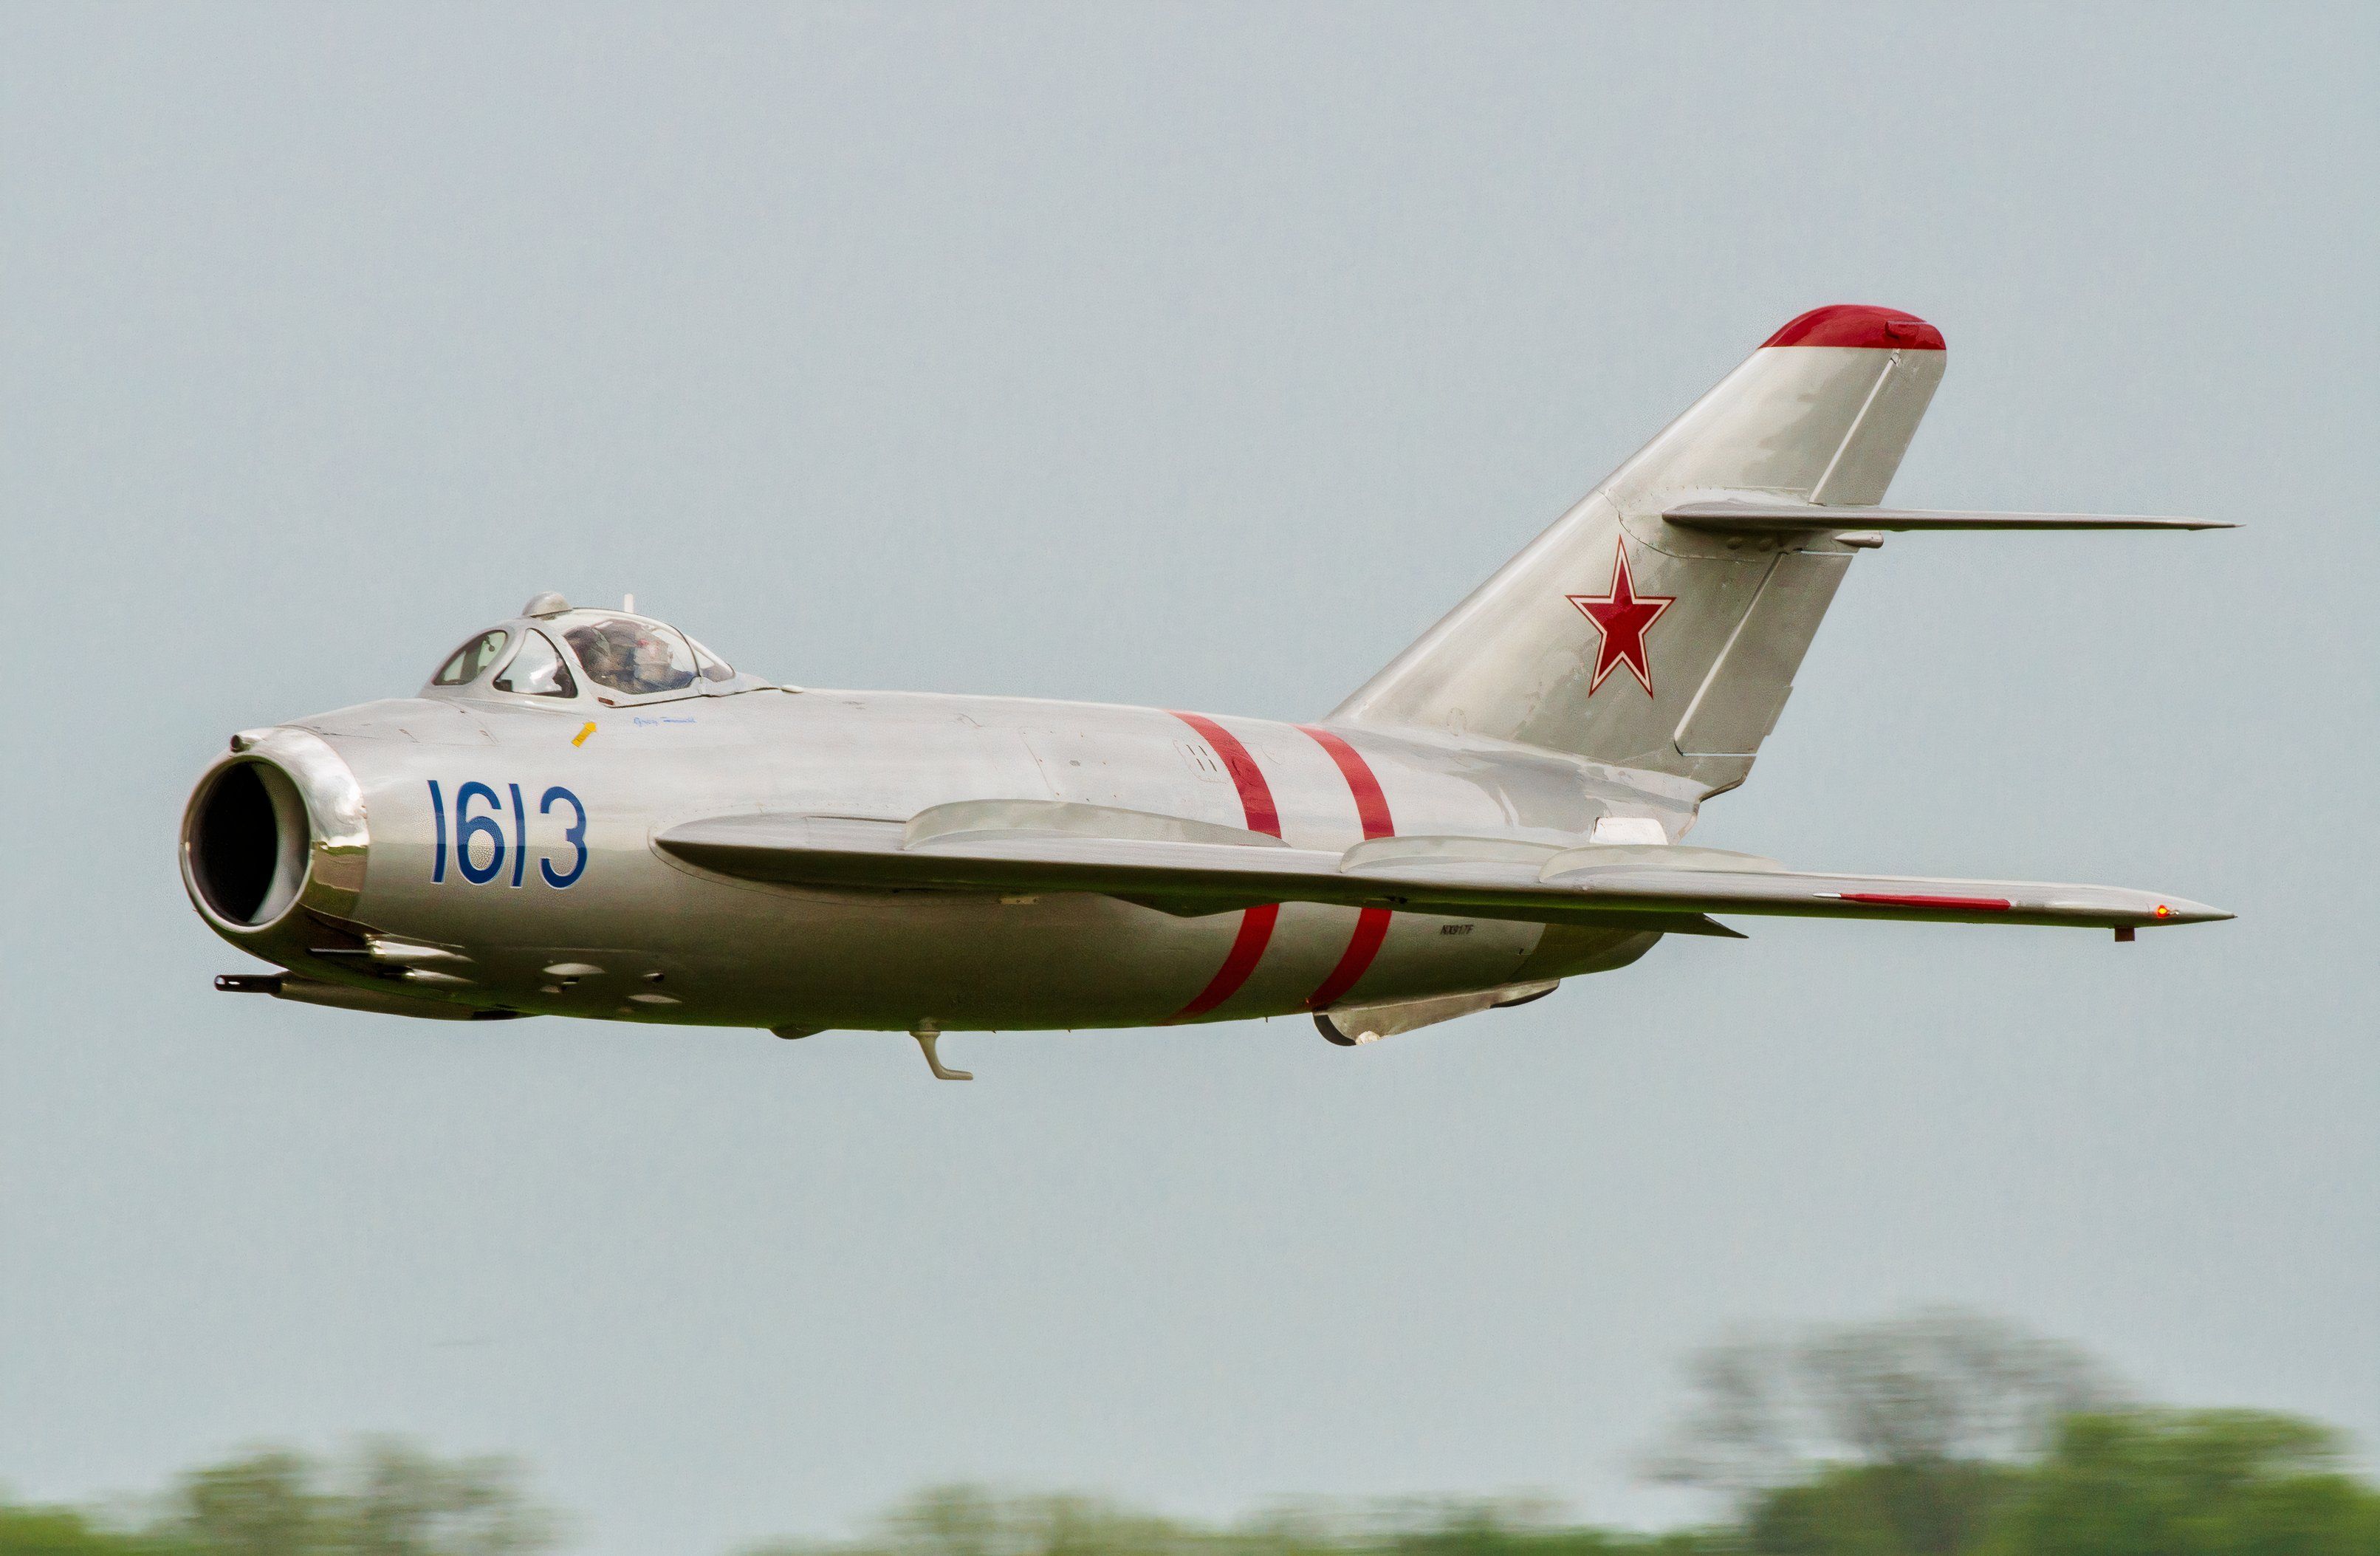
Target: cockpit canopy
{"points": [[552, 651]]}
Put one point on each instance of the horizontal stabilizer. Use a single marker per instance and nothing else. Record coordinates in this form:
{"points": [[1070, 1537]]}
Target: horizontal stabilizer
{"points": [[1777, 518], [1666, 888]]}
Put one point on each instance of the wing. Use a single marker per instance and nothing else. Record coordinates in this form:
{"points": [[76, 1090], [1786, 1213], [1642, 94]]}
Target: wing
{"points": [[1192, 868]]}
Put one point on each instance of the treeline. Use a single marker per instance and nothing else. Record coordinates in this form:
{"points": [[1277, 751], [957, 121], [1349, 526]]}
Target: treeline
{"points": [[2127, 1483], [1935, 1435], [388, 1498]]}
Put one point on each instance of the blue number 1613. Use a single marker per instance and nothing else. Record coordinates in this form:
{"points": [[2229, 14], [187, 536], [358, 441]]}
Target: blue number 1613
{"points": [[487, 829]]}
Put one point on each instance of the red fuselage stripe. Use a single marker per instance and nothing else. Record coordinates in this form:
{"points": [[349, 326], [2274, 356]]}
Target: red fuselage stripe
{"points": [[1256, 795], [1371, 805], [1256, 923], [1371, 923], [1963, 905], [1247, 950], [1371, 929]]}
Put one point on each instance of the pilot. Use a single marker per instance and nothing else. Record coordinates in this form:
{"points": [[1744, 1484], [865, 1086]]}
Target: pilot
{"points": [[656, 667], [620, 654]]}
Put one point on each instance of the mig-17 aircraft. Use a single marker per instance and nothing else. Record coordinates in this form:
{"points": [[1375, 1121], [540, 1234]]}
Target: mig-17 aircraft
{"points": [[588, 812]]}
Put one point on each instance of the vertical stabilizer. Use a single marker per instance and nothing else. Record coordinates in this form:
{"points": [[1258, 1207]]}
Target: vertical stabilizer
{"points": [[1622, 637]]}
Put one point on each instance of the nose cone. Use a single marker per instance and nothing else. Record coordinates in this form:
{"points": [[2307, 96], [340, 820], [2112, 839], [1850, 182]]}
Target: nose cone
{"points": [[276, 825]]}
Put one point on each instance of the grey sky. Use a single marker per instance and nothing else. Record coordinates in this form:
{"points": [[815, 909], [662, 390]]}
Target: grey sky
{"points": [[1200, 357]]}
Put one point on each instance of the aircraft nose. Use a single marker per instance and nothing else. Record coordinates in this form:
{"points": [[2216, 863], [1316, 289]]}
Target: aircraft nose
{"points": [[276, 822]]}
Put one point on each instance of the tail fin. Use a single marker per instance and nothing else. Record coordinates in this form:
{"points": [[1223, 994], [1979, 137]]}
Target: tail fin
{"points": [[1658, 624], [1629, 639]]}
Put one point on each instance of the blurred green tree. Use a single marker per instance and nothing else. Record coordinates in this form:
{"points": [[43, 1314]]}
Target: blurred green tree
{"points": [[262, 1503], [1899, 1438], [1879, 1509], [403, 1502], [972, 1521], [964, 1520], [386, 1498], [2189, 1483], [58, 1531]]}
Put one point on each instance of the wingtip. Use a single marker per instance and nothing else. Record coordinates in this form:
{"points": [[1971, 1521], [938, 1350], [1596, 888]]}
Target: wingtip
{"points": [[2180, 912]]}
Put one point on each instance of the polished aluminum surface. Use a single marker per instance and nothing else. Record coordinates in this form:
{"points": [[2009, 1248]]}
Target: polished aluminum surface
{"points": [[338, 839], [629, 829]]}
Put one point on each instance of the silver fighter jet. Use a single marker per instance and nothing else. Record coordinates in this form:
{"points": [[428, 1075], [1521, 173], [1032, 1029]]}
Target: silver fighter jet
{"points": [[587, 813]]}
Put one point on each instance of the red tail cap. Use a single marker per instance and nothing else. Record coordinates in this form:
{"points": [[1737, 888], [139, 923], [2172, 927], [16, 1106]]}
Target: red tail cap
{"points": [[1853, 323]]}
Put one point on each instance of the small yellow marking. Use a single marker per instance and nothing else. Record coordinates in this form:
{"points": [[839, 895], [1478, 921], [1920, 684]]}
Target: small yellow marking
{"points": [[580, 738]]}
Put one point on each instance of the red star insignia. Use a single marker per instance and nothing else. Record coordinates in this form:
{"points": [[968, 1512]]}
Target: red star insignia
{"points": [[1622, 617]]}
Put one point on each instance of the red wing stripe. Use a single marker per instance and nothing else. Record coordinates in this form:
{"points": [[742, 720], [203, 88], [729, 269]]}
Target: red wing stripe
{"points": [[1963, 905], [1371, 923], [1256, 923]]}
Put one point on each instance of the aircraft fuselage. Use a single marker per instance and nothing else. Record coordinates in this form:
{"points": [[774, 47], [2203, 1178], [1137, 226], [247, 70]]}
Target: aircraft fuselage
{"points": [[471, 805]]}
